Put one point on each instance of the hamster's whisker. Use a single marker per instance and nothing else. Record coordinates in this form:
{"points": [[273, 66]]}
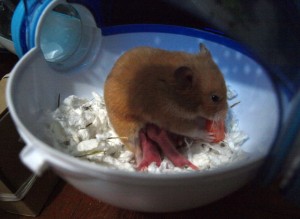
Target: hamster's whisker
{"points": [[117, 138], [214, 121]]}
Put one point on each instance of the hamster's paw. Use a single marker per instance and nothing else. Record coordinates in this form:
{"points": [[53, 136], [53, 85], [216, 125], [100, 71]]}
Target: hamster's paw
{"points": [[209, 137], [205, 136]]}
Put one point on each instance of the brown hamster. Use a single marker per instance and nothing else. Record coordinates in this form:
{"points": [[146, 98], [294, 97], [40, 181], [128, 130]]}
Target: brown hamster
{"points": [[175, 91]]}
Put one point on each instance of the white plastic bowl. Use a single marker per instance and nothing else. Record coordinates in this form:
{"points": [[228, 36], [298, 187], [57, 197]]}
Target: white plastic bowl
{"points": [[34, 87]]}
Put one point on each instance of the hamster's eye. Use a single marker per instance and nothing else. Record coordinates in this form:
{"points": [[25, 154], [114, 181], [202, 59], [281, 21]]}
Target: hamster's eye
{"points": [[215, 98]]}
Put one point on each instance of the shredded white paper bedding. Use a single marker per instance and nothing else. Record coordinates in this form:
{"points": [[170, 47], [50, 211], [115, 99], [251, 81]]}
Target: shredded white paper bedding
{"points": [[81, 128]]}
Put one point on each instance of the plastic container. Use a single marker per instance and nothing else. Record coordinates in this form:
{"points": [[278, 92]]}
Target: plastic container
{"points": [[81, 68], [7, 9]]}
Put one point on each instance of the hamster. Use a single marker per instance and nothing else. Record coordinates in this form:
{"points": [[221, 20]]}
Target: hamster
{"points": [[153, 94]]}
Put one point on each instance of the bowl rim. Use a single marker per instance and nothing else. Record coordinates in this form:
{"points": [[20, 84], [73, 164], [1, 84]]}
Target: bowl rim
{"points": [[89, 169]]}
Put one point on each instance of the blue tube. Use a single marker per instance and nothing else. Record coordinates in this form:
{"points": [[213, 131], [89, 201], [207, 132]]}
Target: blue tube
{"points": [[24, 22]]}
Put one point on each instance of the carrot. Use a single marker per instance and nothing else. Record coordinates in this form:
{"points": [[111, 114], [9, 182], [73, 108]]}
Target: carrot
{"points": [[217, 128]]}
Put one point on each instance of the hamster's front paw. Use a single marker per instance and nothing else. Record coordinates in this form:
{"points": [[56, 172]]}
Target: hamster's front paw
{"points": [[205, 136]]}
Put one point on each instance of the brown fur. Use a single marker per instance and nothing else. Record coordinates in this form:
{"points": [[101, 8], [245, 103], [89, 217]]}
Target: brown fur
{"points": [[170, 89]]}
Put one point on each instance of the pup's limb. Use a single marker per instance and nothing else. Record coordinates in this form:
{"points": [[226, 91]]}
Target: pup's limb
{"points": [[150, 151], [162, 138]]}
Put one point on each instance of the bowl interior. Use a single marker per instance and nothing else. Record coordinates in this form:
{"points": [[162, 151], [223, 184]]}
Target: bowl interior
{"points": [[37, 86]]}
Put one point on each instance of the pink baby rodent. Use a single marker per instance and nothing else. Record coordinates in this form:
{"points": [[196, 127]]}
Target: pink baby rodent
{"points": [[152, 93]]}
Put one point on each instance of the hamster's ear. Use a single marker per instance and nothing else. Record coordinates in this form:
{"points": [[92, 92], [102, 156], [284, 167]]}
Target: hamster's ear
{"points": [[203, 50], [184, 77]]}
